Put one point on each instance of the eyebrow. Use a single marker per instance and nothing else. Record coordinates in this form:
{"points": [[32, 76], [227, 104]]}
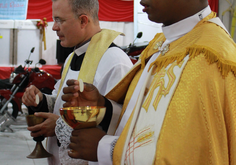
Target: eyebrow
{"points": [[55, 17]]}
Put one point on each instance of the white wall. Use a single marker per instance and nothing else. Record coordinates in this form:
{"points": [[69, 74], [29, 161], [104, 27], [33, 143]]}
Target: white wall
{"points": [[143, 24], [51, 40], [6, 41]]}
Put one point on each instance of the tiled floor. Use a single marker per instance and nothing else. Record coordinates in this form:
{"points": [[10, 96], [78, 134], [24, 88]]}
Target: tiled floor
{"points": [[14, 147]]}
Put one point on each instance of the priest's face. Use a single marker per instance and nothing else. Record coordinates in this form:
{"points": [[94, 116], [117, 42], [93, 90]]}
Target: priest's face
{"points": [[171, 11], [66, 24], [160, 11]]}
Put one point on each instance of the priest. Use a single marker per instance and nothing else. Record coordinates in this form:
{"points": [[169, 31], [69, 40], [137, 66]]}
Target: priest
{"points": [[179, 100]]}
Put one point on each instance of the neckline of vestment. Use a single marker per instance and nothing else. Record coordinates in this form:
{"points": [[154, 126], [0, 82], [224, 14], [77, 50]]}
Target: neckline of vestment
{"points": [[165, 46], [82, 49], [179, 29]]}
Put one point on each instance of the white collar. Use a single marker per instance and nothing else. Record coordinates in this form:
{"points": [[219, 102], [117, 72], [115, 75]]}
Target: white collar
{"points": [[82, 49], [178, 29]]}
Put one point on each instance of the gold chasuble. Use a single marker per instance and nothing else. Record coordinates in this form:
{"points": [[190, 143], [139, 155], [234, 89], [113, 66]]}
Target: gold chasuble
{"points": [[194, 82], [98, 45]]}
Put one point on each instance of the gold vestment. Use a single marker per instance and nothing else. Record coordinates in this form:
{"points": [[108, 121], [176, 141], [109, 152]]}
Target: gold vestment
{"points": [[199, 127]]}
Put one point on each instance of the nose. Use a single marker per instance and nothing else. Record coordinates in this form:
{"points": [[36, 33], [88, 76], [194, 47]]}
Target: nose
{"points": [[142, 3], [55, 27]]}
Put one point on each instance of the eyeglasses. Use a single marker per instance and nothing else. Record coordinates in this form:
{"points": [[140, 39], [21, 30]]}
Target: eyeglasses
{"points": [[58, 21]]}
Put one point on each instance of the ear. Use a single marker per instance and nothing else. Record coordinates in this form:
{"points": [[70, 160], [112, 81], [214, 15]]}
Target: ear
{"points": [[84, 20]]}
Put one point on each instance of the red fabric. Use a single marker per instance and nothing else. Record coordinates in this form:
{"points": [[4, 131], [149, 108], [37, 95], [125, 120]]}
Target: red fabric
{"points": [[39, 9], [214, 4], [115, 10], [5, 72], [54, 70]]}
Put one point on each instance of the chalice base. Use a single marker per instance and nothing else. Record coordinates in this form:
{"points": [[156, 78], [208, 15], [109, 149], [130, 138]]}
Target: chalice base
{"points": [[39, 152]]}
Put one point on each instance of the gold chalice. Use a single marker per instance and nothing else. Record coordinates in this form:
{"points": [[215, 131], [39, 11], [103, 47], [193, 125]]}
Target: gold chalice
{"points": [[39, 151], [83, 116]]}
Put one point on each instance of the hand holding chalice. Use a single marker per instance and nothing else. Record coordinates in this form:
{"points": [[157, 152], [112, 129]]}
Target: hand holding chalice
{"points": [[39, 151], [83, 119], [82, 116]]}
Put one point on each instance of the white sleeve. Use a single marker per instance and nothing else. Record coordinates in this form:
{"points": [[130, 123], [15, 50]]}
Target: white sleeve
{"points": [[105, 149], [51, 99], [112, 67], [56, 87]]}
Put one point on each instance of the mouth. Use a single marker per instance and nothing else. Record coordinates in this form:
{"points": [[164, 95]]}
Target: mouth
{"points": [[60, 36]]}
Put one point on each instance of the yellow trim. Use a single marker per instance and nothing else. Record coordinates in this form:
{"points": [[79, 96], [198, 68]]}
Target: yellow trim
{"points": [[196, 44], [65, 70], [97, 47]]}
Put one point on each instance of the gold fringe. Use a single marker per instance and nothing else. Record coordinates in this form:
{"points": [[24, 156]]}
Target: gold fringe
{"points": [[210, 55], [148, 51]]}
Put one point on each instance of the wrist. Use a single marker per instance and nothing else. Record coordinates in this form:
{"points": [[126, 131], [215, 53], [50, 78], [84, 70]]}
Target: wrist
{"points": [[101, 101]]}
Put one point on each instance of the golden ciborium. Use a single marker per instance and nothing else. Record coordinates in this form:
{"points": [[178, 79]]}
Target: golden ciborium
{"points": [[39, 151], [83, 116]]}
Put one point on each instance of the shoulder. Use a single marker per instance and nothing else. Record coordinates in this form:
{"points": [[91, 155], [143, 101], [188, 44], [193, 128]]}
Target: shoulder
{"points": [[115, 54], [216, 45], [215, 39]]}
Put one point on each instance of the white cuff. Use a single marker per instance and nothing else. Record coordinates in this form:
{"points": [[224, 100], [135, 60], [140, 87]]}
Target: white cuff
{"points": [[105, 149]]}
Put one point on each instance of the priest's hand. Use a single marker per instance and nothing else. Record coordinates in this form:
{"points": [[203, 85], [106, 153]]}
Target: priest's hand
{"points": [[84, 143], [74, 96], [29, 96], [46, 128]]}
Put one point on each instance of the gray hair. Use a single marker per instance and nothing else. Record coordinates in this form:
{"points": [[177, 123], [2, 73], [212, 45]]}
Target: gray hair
{"points": [[87, 7]]}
